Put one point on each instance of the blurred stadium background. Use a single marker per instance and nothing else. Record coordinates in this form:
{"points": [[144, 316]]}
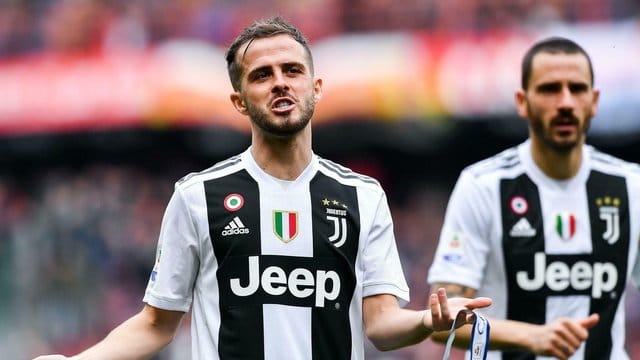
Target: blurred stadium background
{"points": [[105, 104]]}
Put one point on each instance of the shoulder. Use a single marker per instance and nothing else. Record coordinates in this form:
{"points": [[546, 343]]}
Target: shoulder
{"points": [[346, 176], [220, 169], [612, 165], [504, 161]]}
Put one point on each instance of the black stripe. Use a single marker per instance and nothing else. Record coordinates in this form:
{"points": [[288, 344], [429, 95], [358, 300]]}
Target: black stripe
{"points": [[241, 330], [518, 253], [601, 187], [330, 324]]}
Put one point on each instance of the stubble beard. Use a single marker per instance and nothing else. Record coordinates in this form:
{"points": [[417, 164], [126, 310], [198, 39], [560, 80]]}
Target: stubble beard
{"points": [[562, 145], [289, 125]]}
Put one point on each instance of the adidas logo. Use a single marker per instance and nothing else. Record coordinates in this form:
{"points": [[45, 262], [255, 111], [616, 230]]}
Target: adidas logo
{"points": [[235, 227], [522, 229]]}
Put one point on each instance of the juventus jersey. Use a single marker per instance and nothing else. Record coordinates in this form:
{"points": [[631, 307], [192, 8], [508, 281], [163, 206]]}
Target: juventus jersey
{"points": [[275, 269], [542, 248]]}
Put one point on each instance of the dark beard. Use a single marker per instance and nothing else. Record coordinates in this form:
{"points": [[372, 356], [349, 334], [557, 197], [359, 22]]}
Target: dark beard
{"points": [[537, 125], [261, 119]]}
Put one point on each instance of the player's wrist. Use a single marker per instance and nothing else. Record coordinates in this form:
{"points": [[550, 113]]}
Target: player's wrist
{"points": [[426, 322], [523, 336]]}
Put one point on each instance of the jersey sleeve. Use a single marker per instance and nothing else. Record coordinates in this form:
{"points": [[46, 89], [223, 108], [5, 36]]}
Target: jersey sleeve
{"points": [[170, 285], [382, 268], [464, 245]]}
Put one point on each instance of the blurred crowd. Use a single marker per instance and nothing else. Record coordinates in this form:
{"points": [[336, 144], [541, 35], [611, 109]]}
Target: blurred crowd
{"points": [[75, 249], [77, 245], [32, 26]]}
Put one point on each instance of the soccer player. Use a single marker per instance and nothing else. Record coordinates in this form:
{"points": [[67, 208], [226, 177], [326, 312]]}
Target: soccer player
{"points": [[280, 254], [548, 228]]}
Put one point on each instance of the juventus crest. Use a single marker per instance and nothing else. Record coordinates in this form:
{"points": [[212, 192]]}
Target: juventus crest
{"points": [[609, 213], [338, 216]]}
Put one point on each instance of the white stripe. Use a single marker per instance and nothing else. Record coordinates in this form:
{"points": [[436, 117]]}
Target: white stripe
{"points": [[564, 218], [285, 226], [574, 306], [277, 332]]}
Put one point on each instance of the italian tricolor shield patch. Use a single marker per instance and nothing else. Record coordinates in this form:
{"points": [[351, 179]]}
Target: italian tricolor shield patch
{"points": [[285, 224], [565, 225]]}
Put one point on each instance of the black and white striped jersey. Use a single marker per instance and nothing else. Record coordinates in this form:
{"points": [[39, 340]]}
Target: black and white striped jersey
{"points": [[543, 248], [275, 269]]}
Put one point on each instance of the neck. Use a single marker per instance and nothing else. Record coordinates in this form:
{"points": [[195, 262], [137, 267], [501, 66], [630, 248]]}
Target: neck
{"points": [[282, 158], [556, 164]]}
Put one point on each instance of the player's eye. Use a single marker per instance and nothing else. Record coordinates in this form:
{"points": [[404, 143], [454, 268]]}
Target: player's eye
{"points": [[549, 88], [293, 69], [578, 88]]}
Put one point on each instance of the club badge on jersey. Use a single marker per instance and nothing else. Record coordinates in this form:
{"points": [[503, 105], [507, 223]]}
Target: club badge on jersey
{"points": [[479, 344]]}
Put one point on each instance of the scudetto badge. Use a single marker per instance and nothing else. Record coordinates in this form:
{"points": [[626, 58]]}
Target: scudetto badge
{"points": [[233, 202]]}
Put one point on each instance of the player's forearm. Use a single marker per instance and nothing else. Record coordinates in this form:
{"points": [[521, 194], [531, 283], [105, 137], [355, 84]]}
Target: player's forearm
{"points": [[136, 338], [510, 335], [398, 329]]}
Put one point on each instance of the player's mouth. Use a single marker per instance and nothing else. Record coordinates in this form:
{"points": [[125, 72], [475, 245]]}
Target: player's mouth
{"points": [[282, 105], [565, 127], [565, 124]]}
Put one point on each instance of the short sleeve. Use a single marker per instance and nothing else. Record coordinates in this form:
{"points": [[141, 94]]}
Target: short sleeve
{"points": [[382, 268], [463, 247], [170, 285]]}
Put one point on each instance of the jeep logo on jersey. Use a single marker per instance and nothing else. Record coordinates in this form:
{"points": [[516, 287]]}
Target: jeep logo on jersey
{"points": [[558, 276], [300, 282], [285, 224], [610, 214]]}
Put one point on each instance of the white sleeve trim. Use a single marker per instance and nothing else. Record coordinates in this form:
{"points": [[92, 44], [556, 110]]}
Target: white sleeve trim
{"points": [[166, 303], [376, 289]]}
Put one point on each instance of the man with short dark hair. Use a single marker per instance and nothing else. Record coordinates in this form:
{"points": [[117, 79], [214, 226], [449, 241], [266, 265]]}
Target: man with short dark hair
{"points": [[550, 228], [278, 253]]}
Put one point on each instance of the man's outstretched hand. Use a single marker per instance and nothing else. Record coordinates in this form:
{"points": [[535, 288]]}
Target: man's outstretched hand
{"points": [[444, 310]]}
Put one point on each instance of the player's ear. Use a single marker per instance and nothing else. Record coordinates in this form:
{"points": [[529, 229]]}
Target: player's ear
{"points": [[317, 90], [594, 103], [521, 103], [238, 103]]}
